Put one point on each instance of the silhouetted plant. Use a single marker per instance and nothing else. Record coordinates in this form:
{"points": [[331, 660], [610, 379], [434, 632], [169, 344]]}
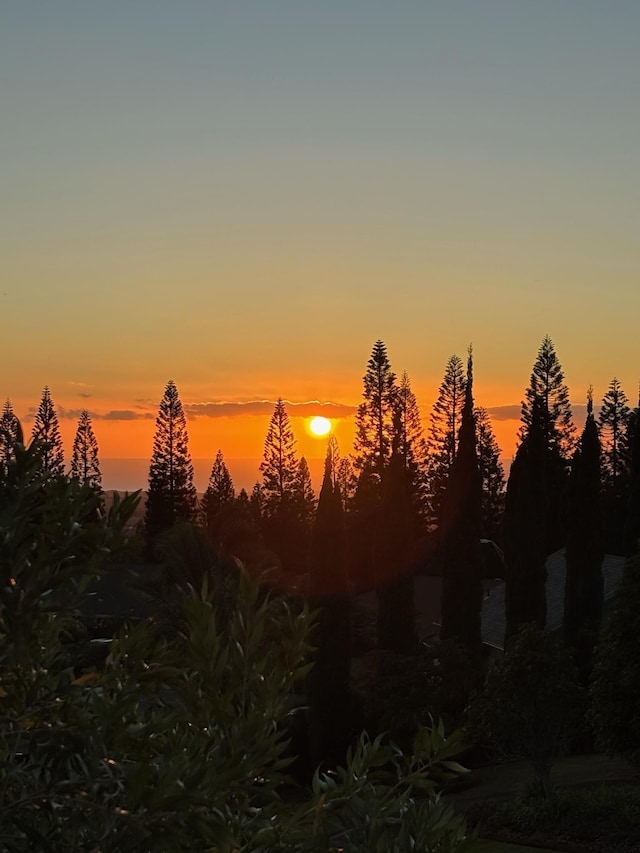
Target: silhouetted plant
{"points": [[85, 463], [46, 430], [492, 476], [374, 418]]}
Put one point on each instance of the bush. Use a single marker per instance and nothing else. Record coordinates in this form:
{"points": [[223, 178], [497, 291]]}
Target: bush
{"points": [[179, 742]]}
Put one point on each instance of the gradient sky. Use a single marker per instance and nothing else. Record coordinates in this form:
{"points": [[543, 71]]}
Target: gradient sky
{"points": [[244, 196]]}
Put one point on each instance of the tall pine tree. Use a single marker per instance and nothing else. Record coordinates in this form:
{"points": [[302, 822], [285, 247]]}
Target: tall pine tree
{"points": [[218, 498], [616, 463], [442, 442], [10, 433], [374, 418], [46, 430], [172, 495], [412, 448], [85, 463], [461, 529], [584, 588], [492, 476], [524, 529], [548, 391]]}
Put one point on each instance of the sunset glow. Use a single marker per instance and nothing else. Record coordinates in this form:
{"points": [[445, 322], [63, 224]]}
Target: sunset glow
{"points": [[320, 426]]}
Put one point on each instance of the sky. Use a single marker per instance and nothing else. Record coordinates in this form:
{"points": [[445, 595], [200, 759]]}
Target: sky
{"points": [[244, 196]]}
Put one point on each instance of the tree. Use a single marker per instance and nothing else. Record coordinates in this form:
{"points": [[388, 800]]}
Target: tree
{"points": [[524, 531], [531, 703], [461, 519], [172, 494], [548, 391], [492, 476], [328, 681], [304, 495], [584, 588], [615, 682], [347, 482], [614, 424], [10, 433], [374, 418], [219, 495], [46, 430], [442, 443], [280, 466], [631, 532], [393, 552], [85, 464], [412, 447]]}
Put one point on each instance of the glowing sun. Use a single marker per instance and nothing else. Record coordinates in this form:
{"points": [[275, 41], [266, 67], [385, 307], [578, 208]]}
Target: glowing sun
{"points": [[320, 426]]}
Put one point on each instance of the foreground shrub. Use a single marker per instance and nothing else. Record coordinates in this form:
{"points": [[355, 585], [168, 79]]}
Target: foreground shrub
{"points": [[180, 741]]}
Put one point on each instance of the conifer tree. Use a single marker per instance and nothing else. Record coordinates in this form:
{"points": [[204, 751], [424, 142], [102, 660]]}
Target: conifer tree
{"points": [[584, 588], [374, 418], [256, 504], [347, 481], [393, 552], [46, 430], [328, 681], [442, 442], [616, 463], [85, 463], [547, 389], [631, 534], [304, 495], [219, 495], [492, 475], [524, 530], [172, 494], [412, 447], [10, 433], [279, 467], [461, 520], [333, 455]]}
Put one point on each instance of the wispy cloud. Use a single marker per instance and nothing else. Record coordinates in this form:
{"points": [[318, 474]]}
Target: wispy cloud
{"points": [[227, 409], [112, 415]]}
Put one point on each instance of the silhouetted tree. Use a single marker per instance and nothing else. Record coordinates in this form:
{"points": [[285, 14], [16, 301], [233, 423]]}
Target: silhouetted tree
{"points": [[256, 504], [631, 535], [328, 681], [304, 495], [584, 589], [492, 476], [46, 430], [614, 423], [524, 530], [615, 685], [362, 520], [85, 463], [172, 495], [547, 389], [442, 442], [219, 497], [10, 433], [374, 427], [412, 448], [347, 481], [393, 552], [280, 519], [461, 528]]}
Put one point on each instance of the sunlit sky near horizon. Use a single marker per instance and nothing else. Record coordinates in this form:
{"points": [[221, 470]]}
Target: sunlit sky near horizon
{"points": [[244, 196]]}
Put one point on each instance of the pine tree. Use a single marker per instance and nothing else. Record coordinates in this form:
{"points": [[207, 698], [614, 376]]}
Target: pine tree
{"points": [[279, 467], [85, 464], [442, 443], [219, 495], [492, 475], [547, 389], [256, 504], [393, 552], [374, 418], [412, 447], [524, 530], [547, 385], [584, 589], [46, 430], [304, 495], [172, 495], [328, 681], [347, 481], [10, 433], [461, 520], [616, 462], [631, 532]]}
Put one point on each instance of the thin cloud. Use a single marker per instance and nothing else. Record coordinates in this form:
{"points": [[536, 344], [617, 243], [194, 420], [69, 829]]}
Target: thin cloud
{"points": [[227, 409], [504, 413], [112, 415]]}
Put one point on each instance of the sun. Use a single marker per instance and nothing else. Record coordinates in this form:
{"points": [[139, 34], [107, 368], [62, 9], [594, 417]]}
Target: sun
{"points": [[320, 426]]}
